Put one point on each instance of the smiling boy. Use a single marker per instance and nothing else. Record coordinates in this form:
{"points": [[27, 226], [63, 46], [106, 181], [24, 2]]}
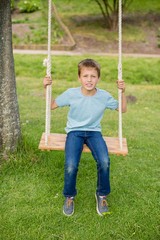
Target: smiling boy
{"points": [[87, 104]]}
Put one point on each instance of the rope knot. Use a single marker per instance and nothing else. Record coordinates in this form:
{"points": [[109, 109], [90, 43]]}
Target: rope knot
{"points": [[45, 62]]}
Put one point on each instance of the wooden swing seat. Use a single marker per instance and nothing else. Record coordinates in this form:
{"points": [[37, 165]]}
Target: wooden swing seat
{"points": [[56, 141]]}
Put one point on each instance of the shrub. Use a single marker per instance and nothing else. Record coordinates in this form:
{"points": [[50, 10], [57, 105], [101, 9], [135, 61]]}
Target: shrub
{"points": [[28, 6], [12, 4]]}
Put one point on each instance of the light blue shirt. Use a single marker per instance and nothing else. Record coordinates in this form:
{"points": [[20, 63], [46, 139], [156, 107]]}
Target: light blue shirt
{"points": [[85, 112]]}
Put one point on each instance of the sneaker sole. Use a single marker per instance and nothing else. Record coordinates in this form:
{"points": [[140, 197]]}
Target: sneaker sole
{"points": [[68, 215], [100, 214]]}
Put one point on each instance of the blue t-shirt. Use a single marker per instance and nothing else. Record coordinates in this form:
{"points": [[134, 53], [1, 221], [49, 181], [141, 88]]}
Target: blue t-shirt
{"points": [[85, 112]]}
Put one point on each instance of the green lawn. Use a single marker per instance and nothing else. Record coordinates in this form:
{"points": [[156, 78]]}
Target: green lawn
{"points": [[32, 181], [68, 7]]}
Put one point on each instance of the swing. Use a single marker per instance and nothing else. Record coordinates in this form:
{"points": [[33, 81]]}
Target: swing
{"points": [[56, 141]]}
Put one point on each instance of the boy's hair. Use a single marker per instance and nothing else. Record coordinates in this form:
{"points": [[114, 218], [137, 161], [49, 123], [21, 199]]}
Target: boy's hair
{"points": [[89, 63]]}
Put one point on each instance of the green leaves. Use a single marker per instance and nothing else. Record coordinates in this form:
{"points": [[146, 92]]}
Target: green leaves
{"points": [[29, 6]]}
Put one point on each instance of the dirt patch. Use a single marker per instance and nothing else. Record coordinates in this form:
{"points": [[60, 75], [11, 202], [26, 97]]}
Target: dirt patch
{"points": [[90, 44], [149, 25], [20, 30], [131, 99]]}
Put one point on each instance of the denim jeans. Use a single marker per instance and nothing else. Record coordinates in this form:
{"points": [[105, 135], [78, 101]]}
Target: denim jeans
{"points": [[73, 150]]}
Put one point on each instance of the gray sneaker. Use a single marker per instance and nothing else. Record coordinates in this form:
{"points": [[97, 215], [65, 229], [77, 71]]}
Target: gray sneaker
{"points": [[68, 208], [102, 206]]}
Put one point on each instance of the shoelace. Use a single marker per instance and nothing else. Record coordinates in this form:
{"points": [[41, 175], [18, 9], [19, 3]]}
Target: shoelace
{"points": [[104, 202], [69, 201]]}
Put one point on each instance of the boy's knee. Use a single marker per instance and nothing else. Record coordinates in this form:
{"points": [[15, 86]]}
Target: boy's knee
{"points": [[71, 168], [105, 163]]}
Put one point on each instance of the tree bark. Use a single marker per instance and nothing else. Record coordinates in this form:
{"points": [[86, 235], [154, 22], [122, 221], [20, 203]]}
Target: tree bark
{"points": [[10, 132]]}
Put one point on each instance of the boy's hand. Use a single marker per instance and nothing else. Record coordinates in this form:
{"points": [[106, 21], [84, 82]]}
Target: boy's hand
{"points": [[47, 81], [121, 85]]}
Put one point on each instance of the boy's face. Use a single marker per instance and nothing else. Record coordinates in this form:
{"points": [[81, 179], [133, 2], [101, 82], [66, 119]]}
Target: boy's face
{"points": [[89, 79]]}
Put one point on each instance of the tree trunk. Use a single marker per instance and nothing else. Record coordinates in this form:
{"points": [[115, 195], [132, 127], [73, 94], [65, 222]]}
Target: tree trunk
{"points": [[109, 10], [9, 113]]}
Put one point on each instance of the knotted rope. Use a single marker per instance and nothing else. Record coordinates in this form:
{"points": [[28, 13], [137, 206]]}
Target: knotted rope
{"points": [[120, 70], [48, 72]]}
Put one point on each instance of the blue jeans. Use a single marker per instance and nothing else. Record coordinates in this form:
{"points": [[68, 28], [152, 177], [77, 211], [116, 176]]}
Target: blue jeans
{"points": [[73, 150]]}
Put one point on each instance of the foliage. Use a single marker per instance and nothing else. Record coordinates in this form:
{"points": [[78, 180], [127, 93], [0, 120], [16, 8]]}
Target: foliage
{"points": [[28, 6], [38, 35], [109, 11], [12, 4], [36, 26], [32, 181], [18, 21]]}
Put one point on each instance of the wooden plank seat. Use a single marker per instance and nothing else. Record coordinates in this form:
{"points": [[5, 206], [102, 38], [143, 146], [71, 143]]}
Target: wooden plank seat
{"points": [[56, 141]]}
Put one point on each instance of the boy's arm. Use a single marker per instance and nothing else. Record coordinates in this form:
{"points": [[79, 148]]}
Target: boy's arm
{"points": [[53, 104], [48, 81], [121, 85]]}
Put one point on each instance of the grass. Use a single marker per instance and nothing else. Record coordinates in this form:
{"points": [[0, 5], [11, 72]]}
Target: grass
{"points": [[32, 181], [135, 71], [68, 7], [145, 6]]}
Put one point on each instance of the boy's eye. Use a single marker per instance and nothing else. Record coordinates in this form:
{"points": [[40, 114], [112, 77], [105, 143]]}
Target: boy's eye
{"points": [[93, 76]]}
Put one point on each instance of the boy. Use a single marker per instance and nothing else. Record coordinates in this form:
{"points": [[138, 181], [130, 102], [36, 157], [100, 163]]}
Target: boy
{"points": [[87, 104]]}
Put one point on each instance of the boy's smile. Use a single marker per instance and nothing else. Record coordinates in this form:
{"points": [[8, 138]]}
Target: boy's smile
{"points": [[89, 79]]}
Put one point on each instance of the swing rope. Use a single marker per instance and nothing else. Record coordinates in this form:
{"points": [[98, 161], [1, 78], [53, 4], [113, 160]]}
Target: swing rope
{"points": [[48, 72], [120, 70]]}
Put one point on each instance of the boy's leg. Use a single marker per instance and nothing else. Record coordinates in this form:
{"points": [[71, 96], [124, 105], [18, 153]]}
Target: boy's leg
{"points": [[99, 151], [73, 150]]}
